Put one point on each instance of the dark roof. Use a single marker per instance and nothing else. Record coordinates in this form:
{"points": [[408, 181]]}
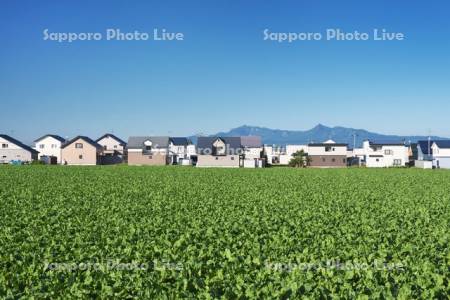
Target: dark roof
{"points": [[424, 146], [56, 137], [137, 142], [84, 138], [206, 143], [326, 144], [18, 143], [251, 141], [122, 142], [180, 141], [443, 144], [386, 143]]}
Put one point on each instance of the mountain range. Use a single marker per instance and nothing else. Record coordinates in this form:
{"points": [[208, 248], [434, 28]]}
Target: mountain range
{"points": [[319, 133]]}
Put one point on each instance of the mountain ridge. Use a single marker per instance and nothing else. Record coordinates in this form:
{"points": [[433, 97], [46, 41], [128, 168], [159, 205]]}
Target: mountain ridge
{"points": [[318, 133]]}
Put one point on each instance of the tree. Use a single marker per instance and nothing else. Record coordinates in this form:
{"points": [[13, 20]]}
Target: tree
{"points": [[300, 159]]}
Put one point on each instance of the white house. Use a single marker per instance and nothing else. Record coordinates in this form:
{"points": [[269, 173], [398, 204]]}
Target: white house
{"points": [[385, 154], [12, 150], [441, 154], [253, 152], [49, 147], [182, 150], [276, 155]]}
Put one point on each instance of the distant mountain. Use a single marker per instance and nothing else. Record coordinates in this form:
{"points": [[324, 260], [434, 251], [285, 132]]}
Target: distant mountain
{"points": [[319, 133]]}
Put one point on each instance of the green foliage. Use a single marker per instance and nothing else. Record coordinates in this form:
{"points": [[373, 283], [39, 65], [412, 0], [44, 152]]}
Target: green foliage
{"points": [[224, 233], [300, 159]]}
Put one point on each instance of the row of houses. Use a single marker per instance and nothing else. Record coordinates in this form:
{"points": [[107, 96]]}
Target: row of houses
{"points": [[244, 151]]}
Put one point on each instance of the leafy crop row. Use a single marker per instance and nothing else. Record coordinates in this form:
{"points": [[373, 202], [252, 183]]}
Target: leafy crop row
{"points": [[210, 233]]}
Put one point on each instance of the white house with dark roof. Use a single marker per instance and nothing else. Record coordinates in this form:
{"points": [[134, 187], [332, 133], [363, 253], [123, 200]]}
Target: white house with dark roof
{"points": [[12, 150], [253, 152], [182, 150], [385, 154], [441, 154], [49, 147]]}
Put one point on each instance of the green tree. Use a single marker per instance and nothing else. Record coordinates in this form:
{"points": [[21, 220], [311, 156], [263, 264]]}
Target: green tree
{"points": [[300, 159]]}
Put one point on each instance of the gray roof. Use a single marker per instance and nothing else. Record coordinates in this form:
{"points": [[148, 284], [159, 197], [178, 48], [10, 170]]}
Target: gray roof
{"points": [[205, 144], [84, 138], [18, 143], [56, 137], [251, 141], [137, 142]]}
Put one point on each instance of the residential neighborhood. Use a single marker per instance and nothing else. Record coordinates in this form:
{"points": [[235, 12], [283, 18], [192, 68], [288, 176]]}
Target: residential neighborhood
{"points": [[221, 151]]}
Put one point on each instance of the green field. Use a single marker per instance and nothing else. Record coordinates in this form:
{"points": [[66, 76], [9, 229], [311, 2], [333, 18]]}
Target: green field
{"points": [[174, 232]]}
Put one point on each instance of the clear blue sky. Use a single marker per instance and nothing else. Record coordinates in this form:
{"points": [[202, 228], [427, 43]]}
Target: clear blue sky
{"points": [[223, 74]]}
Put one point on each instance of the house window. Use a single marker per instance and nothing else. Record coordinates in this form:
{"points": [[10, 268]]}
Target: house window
{"points": [[148, 148], [323, 159], [217, 158], [388, 152], [150, 157], [105, 147], [333, 160], [397, 162], [232, 158], [115, 146], [344, 160], [4, 145], [80, 156], [4, 156], [79, 145], [377, 159], [54, 146], [41, 146], [328, 149]]}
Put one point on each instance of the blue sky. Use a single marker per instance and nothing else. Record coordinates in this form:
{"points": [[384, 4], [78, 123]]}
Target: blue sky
{"points": [[223, 74]]}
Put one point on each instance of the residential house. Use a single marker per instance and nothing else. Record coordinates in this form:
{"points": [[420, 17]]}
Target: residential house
{"points": [[14, 151], [114, 149], [276, 155], [424, 150], [149, 150], [327, 155], [81, 150], [182, 151], [385, 154], [441, 154], [49, 147], [253, 152], [219, 152]]}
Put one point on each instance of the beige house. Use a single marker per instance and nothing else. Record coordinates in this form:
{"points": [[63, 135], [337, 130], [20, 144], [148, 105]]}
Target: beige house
{"points": [[327, 155], [219, 152], [81, 150], [149, 150], [114, 149]]}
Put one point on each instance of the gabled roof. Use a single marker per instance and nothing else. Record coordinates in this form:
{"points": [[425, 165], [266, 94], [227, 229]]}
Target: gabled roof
{"points": [[158, 142], [18, 143], [56, 137], [180, 141], [121, 142], [251, 141], [84, 138], [443, 144], [205, 144], [424, 147]]}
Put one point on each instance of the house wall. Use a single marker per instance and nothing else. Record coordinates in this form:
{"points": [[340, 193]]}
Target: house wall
{"points": [[14, 152], [291, 149], [49, 146], [442, 162], [230, 161], [399, 152], [320, 150], [440, 152], [70, 154], [111, 145], [137, 158], [330, 161], [253, 152]]}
